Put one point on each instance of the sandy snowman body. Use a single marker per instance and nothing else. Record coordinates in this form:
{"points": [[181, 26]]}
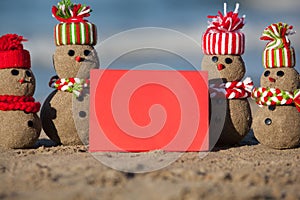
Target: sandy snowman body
{"points": [[236, 113], [18, 129], [223, 43], [276, 123], [58, 117], [277, 126]]}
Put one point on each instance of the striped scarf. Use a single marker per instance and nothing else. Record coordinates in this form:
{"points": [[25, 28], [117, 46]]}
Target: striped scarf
{"points": [[71, 85], [274, 96], [232, 90]]}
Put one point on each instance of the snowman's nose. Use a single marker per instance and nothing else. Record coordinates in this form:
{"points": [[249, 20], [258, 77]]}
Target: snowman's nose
{"points": [[220, 67], [25, 80], [272, 80], [22, 80], [79, 59]]}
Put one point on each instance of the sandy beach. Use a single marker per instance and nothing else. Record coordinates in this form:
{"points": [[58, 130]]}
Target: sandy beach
{"points": [[247, 171]]}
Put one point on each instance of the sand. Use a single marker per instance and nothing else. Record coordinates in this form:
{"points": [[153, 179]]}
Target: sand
{"points": [[246, 171]]}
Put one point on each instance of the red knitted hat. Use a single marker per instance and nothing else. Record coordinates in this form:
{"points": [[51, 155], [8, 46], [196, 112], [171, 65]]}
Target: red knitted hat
{"points": [[12, 54], [73, 28], [223, 36], [278, 51]]}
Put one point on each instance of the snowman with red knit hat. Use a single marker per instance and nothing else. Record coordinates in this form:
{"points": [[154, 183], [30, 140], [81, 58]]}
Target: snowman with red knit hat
{"points": [[20, 126], [73, 59], [276, 123], [223, 44]]}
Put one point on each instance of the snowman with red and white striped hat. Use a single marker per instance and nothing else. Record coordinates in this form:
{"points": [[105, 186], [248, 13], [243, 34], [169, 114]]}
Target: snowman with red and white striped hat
{"points": [[223, 43], [73, 59], [276, 123]]}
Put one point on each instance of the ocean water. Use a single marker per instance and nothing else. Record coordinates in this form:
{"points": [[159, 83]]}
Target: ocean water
{"points": [[33, 20]]}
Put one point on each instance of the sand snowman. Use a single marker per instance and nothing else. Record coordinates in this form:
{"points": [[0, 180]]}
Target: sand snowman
{"points": [[223, 44], [20, 126], [73, 59], [276, 123]]}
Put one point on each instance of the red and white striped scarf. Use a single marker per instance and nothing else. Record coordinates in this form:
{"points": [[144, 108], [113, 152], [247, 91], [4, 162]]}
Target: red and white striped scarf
{"points": [[232, 90], [71, 85], [274, 96]]}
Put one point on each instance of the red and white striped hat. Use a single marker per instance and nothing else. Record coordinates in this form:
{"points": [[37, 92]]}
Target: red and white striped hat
{"points": [[73, 28], [223, 36], [278, 52]]}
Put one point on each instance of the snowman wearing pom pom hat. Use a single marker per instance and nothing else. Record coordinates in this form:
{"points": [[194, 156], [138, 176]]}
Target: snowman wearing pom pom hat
{"points": [[223, 44], [73, 59], [20, 126], [276, 123]]}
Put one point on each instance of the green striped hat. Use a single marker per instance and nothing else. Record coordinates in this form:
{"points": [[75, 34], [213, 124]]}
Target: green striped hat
{"points": [[81, 33], [278, 52]]}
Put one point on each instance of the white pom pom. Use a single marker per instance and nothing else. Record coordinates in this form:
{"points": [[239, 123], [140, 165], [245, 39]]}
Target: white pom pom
{"points": [[225, 8], [237, 6]]}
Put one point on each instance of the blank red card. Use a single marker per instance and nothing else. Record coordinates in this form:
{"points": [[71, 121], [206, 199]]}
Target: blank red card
{"points": [[144, 110]]}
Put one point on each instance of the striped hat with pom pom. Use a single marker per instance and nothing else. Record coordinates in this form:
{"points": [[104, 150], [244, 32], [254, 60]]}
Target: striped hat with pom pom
{"points": [[73, 29], [12, 54], [223, 36], [278, 52]]}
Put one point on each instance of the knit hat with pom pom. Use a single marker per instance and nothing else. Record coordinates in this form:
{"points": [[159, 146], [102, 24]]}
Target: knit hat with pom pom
{"points": [[223, 36], [278, 51], [73, 29], [12, 54]]}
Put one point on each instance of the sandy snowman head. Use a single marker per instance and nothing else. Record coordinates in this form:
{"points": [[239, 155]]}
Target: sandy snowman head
{"points": [[223, 44], [282, 78], [16, 77], [75, 38]]}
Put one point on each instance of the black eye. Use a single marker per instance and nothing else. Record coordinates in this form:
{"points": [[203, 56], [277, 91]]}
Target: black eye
{"points": [[214, 59], [28, 73], [87, 52], [14, 72], [71, 52], [228, 60], [268, 121], [30, 123], [267, 73], [280, 73]]}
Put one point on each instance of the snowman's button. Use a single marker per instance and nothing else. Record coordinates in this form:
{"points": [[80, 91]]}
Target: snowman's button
{"points": [[272, 108], [268, 121], [80, 98], [30, 123], [82, 114], [220, 101]]}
